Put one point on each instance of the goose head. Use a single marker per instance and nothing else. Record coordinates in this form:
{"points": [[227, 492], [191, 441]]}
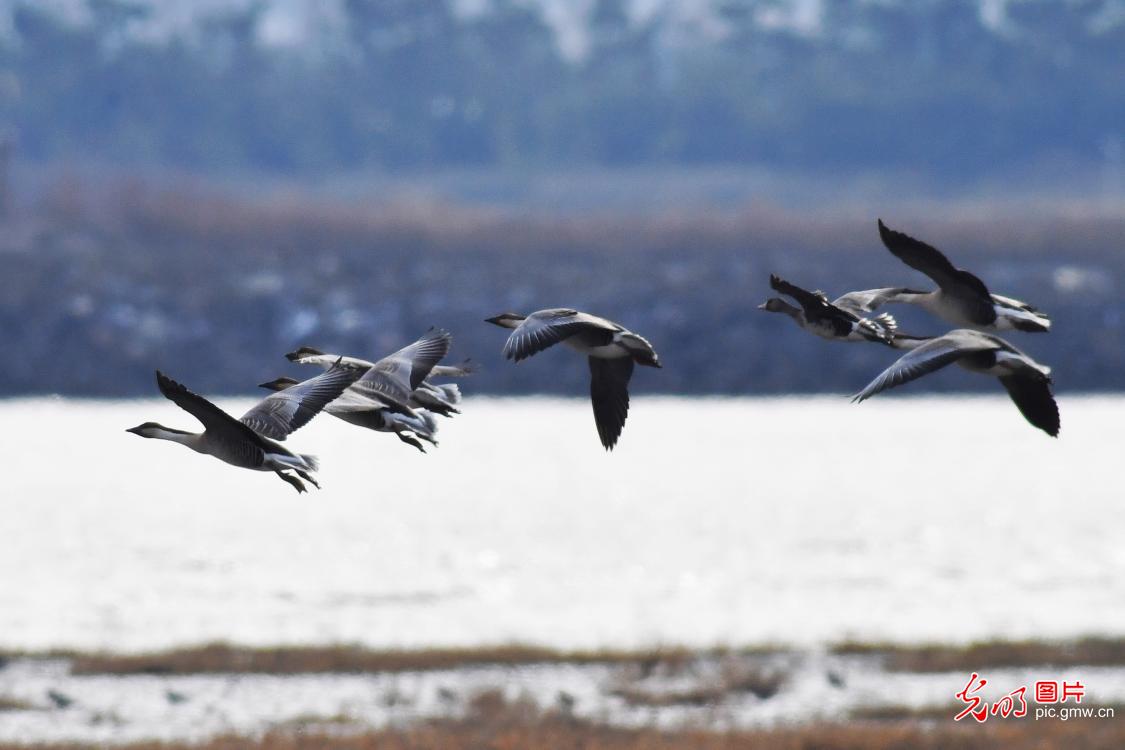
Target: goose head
{"points": [[279, 384], [506, 320], [302, 353], [774, 304], [155, 430]]}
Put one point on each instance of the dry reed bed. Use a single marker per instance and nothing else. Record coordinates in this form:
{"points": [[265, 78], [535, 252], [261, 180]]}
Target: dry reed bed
{"points": [[226, 658], [994, 654]]}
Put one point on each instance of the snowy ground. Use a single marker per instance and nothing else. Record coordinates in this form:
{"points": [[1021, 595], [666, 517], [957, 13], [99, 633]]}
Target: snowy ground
{"points": [[797, 522]]}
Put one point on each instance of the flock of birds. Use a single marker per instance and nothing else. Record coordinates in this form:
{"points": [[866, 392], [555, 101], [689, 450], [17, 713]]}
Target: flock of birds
{"points": [[398, 394]]}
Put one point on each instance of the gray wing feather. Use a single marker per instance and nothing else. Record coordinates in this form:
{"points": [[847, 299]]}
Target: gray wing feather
{"points": [[398, 374], [928, 357], [868, 300], [546, 328], [287, 411]]}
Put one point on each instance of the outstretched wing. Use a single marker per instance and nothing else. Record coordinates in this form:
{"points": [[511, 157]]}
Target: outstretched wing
{"points": [[953, 281], [868, 300], [354, 401], [214, 419], [398, 374], [287, 411], [546, 328], [1035, 401], [817, 309], [926, 358], [609, 394], [810, 301]]}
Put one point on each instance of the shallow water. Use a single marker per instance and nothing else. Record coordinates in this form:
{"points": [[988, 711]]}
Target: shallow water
{"points": [[716, 521]]}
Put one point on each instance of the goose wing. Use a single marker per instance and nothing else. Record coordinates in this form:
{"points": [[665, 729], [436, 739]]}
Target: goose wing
{"points": [[283, 412], [867, 300], [817, 308], [956, 282], [926, 358], [214, 419], [352, 400], [467, 367], [609, 394], [814, 304], [1035, 401], [546, 328], [398, 374]]}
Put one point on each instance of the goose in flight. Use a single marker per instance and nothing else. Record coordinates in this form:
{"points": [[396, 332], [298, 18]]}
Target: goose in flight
{"points": [[374, 414], [400, 380], [836, 321], [611, 349], [250, 442], [961, 298], [1027, 381]]}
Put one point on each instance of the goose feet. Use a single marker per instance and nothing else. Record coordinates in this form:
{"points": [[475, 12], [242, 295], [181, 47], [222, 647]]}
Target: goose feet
{"points": [[410, 440], [307, 478], [294, 481]]}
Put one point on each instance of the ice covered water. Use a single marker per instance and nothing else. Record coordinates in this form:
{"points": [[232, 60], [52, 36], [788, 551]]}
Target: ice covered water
{"points": [[716, 521]]}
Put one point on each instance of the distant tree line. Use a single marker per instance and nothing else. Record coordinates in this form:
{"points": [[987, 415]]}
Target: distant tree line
{"points": [[409, 84], [216, 291]]}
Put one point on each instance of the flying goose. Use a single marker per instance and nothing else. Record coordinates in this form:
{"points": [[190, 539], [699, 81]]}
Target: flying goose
{"points": [[836, 321], [399, 379], [1027, 381], [250, 442], [961, 298], [373, 414], [611, 349]]}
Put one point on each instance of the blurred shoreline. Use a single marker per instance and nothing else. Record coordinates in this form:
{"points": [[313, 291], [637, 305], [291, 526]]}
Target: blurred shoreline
{"points": [[133, 273], [666, 697]]}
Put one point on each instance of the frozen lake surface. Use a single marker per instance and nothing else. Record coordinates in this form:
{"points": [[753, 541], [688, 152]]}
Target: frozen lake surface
{"points": [[797, 521]]}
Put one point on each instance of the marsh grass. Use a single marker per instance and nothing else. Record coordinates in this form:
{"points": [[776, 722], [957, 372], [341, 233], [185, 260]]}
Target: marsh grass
{"points": [[224, 658], [344, 659], [994, 654]]}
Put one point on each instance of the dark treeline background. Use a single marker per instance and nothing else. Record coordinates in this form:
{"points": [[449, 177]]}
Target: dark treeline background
{"points": [[215, 291], [202, 186]]}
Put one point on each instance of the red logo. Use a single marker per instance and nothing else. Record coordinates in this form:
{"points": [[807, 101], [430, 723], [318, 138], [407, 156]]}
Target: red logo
{"points": [[1014, 704]]}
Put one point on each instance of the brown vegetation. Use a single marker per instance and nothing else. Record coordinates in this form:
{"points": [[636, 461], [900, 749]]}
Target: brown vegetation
{"points": [[944, 658], [218, 657]]}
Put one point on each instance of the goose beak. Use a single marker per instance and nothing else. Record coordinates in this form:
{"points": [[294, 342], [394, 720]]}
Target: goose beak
{"points": [[495, 320], [135, 430], [763, 306], [292, 356]]}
